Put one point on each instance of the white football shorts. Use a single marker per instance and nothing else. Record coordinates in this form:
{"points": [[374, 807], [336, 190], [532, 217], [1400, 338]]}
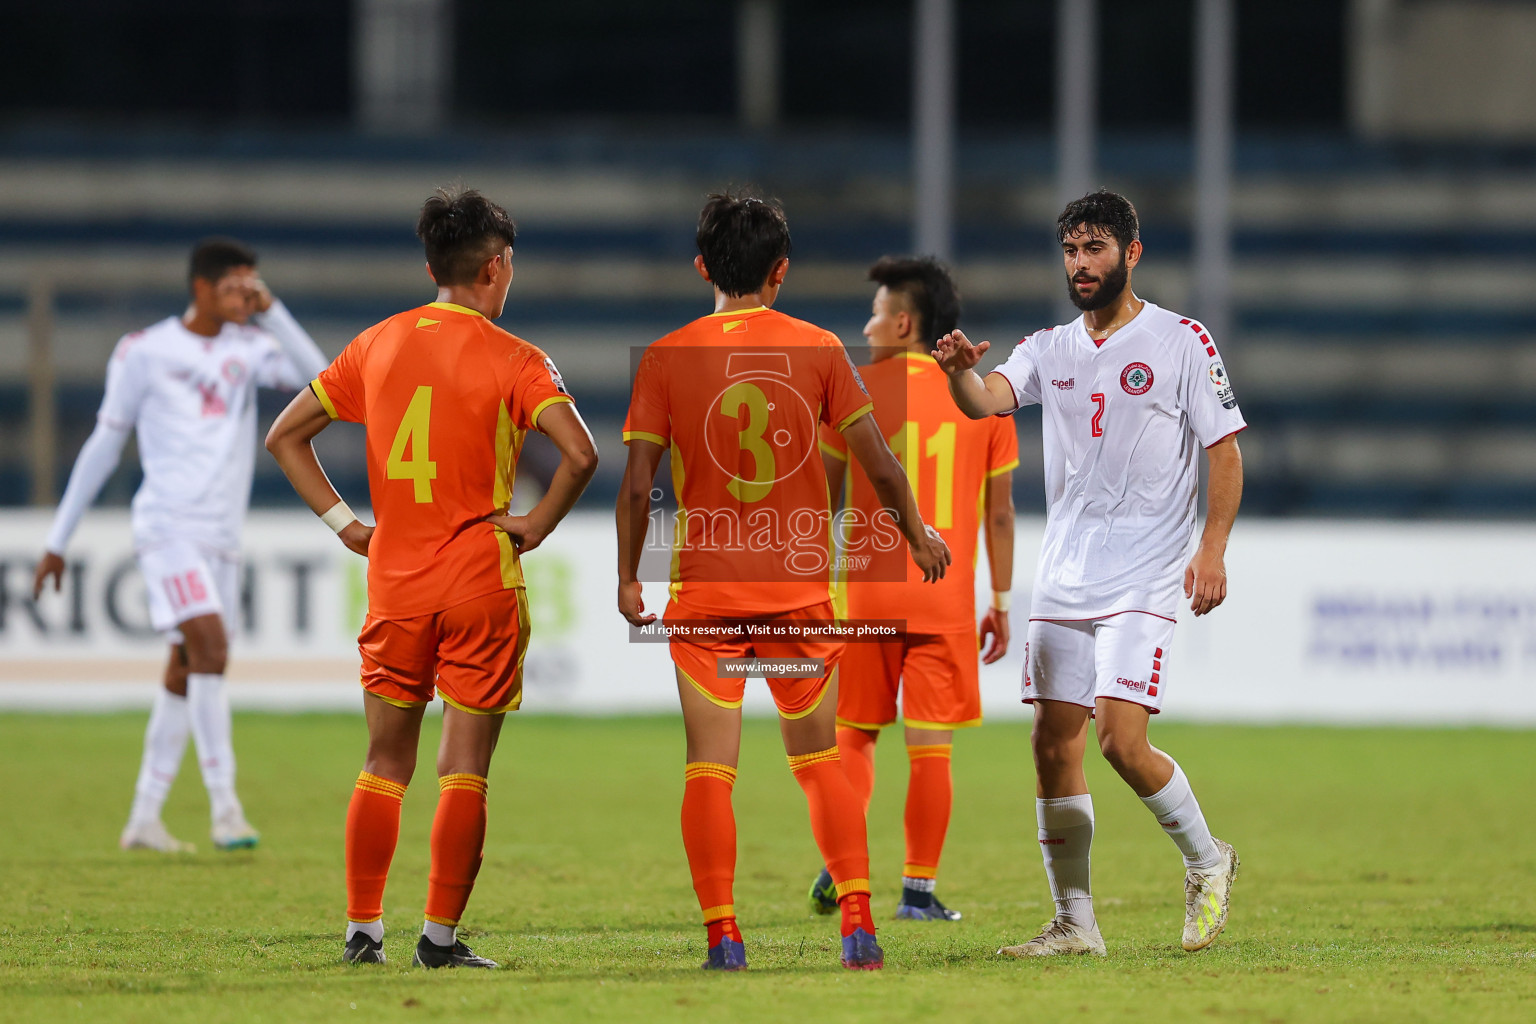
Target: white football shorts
{"points": [[1124, 657], [186, 580]]}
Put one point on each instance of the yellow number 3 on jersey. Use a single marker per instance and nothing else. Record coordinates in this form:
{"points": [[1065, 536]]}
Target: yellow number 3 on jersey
{"points": [[414, 428]]}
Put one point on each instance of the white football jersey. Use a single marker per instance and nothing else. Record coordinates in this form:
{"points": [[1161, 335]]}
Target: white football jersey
{"points": [[1123, 422], [192, 401]]}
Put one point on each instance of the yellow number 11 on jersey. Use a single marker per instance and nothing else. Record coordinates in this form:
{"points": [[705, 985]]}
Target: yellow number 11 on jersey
{"points": [[940, 447], [415, 426]]}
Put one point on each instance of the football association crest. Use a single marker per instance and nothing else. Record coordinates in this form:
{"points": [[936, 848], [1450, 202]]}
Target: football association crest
{"points": [[1136, 379]]}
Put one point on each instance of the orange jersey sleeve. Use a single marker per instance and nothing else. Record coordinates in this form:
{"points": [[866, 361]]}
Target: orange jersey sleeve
{"points": [[948, 458], [446, 398], [740, 398], [340, 385], [1002, 445]]}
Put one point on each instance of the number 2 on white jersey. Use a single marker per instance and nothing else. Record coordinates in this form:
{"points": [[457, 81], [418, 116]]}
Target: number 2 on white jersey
{"points": [[415, 426], [1098, 416]]}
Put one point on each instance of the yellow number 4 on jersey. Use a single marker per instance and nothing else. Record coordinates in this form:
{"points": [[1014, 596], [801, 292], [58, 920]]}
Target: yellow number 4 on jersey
{"points": [[415, 427]]}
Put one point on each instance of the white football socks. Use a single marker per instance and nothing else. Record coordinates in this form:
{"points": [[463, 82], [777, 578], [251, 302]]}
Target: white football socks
{"points": [[440, 934], [373, 929], [1177, 810], [1066, 841], [209, 706], [165, 744]]}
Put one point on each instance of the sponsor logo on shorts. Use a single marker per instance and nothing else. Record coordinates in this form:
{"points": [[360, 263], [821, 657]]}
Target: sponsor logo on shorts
{"points": [[1136, 379], [1028, 682], [1132, 684], [1065, 385]]}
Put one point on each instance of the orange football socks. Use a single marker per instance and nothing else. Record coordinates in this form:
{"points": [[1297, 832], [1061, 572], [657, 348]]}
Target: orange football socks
{"points": [[837, 822], [458, 843], [930, 793], [856, 749], [709, 837], [373, 828]]}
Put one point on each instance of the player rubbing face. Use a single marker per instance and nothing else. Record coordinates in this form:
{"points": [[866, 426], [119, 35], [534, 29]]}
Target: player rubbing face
{"points": [[233, 297], [1098, 268]]}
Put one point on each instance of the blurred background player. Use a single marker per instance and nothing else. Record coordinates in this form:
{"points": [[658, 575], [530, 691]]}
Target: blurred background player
{"points": [[961, 471], [187, 386], [1127, 390], [737, 396], [446, 397]]}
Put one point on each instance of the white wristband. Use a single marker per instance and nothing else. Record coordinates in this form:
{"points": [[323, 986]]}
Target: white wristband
{"points": [[338, 517], [1001, 600]]}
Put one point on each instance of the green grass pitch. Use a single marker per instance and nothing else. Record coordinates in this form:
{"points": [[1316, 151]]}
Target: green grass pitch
{"points": [[1388, 875]]}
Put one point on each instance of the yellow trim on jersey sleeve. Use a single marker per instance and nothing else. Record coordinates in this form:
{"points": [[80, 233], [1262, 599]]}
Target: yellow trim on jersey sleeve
{"points": [[644, 435], [827, 449], [1004, 469], [867, 407], [325, 399], [534, 419], [456, 308], [740, 312]]}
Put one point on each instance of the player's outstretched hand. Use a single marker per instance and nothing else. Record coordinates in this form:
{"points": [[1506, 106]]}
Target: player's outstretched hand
{"points": [[1205, 581], [995, 625], [356, 536], [955, 353], [932, 555], [50, 565], [525, 533], [632, 605]]}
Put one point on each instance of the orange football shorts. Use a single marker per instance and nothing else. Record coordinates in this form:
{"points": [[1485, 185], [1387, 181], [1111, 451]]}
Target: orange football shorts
{"points": [[471, 653], [795, 697], [937, 675]]}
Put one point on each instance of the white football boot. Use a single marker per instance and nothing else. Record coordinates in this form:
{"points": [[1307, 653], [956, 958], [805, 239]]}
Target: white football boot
{"points": [[1206, 899], [151, 835], [1061, 938], [233, 832]]}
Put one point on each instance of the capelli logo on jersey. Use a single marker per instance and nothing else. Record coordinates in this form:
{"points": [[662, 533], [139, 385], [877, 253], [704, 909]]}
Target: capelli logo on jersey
{"points": [[1132, 684], [1065, 385]]}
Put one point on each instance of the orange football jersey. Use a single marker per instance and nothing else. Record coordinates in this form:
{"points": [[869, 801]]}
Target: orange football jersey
{"points": [[738, 397], [447, 397], [948, 458]]}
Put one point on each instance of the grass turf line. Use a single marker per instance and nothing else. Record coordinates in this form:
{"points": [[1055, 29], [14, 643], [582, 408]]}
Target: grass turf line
{"points": [[1387, 875]]}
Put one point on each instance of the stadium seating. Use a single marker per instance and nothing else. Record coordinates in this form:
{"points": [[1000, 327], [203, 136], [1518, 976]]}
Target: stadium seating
{"points": [[1384, 321]]}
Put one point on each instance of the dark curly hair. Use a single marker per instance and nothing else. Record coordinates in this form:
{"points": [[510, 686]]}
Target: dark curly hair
{"points": [[460, 230], [1108, 212]]}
